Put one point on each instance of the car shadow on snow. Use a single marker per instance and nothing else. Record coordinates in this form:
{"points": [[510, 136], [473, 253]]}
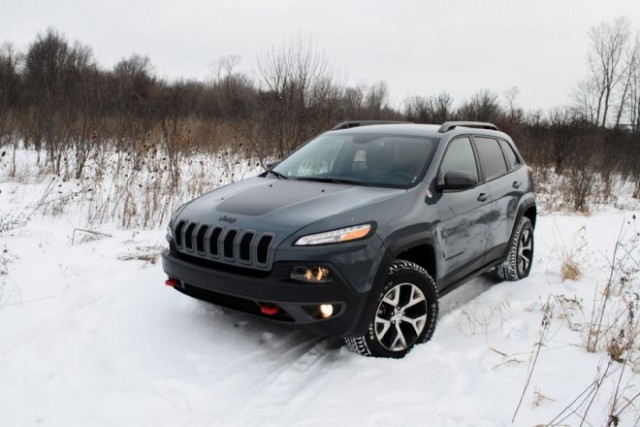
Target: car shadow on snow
{"points": [[271, 339], [467, 292], [263, 334]]}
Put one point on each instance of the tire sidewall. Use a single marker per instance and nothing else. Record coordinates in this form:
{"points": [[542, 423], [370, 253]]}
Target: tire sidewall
{"points": [[509, 270], [405, 272], [526, 225]]}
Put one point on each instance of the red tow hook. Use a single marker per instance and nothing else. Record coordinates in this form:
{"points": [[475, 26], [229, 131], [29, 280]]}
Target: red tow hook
{"points": [[269, 310], [171, 282]]}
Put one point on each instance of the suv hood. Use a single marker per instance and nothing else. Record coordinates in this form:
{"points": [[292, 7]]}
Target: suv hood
{"points": [[279, 205]]}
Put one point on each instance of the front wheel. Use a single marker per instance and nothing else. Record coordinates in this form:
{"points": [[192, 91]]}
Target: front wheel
{"points": [[406, 313]]}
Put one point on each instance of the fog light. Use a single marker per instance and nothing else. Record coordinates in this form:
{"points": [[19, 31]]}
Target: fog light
{"points": [[326, 310], [314, 274]]}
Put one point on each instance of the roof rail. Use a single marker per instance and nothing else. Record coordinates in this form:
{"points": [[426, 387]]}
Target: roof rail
{"points": [[357, 123], [447, 126]]}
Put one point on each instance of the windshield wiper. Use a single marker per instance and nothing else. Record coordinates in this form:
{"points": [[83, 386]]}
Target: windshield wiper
{"points": [[329, 179], [278, 174]]}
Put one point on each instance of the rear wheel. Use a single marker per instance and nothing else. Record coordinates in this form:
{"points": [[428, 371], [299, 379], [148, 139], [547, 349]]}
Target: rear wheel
{"points": [[406, 313], [520, 258]]}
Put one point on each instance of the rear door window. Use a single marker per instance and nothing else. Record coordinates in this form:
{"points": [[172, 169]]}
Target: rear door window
{"points": [[512, 159], [492, 160]]}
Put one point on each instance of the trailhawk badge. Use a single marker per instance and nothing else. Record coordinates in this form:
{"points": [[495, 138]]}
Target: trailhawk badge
{"points": [[228, 219]]}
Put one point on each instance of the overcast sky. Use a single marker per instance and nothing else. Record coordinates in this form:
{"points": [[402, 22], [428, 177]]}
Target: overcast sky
{"points": [[419, 47]]}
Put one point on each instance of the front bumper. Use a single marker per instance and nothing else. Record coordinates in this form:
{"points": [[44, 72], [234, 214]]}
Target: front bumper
{"points": [[250, 291]]}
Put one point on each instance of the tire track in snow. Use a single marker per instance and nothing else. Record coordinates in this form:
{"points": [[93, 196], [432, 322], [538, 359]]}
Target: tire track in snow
{"points": [[286, 387]]}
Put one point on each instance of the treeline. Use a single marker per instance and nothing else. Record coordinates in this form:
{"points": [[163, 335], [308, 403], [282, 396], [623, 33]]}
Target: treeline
{"points": [[56, 99]]}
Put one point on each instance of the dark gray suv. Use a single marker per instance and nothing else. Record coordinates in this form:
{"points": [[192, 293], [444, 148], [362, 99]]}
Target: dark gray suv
{"points": [[357, 232]]}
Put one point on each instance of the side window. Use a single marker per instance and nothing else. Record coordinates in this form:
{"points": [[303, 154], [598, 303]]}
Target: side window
{"points": [[459, 157], [491, 158], [509, 154]]}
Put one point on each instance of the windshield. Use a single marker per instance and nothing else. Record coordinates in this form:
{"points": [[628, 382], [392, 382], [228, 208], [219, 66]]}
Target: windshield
{"points": [[365, 159]]}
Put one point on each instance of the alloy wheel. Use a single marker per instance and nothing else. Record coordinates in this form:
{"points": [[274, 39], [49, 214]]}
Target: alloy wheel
{"points": [[525, 251], [401, 317]]}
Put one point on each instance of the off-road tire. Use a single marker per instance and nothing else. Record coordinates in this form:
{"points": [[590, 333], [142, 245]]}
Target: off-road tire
{"points": [[406, 313], [520, 258]]}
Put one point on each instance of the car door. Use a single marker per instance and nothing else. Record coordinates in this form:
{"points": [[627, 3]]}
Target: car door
{"points": [[503, 187], [462, 229]]}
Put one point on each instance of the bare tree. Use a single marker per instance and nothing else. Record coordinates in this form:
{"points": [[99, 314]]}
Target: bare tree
{"points": [[290, 78], [482, 106], [9, 88], [585, 101], [233, 92], [429, 109], [630, 95], [606, 62], [54, 74], [377, 99], [514, 112], [353, 102], [634, 98]]}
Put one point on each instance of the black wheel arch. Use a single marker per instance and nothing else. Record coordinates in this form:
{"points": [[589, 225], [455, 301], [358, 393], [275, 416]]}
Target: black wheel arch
{"points": [[527, 208], [409, 247]]}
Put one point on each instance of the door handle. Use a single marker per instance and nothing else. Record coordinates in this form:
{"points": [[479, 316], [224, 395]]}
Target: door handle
{"points": [[483, 197], [516, 184]]}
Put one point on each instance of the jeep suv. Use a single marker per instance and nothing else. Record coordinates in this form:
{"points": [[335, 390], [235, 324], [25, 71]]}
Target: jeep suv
{"points": [[357, 232]]}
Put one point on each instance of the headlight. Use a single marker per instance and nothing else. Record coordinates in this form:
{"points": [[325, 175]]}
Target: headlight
{"points": [[336, 236]]}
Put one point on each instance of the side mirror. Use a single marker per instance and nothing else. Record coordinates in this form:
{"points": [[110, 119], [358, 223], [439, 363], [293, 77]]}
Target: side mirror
{"points": [[455, 180]]}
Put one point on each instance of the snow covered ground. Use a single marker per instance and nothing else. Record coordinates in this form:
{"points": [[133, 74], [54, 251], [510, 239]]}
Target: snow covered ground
{"points": [[90, 336]]}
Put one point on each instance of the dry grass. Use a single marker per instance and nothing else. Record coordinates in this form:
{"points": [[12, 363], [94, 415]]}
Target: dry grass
{"points": [[573, 257], [571, 269], [612, 329]]}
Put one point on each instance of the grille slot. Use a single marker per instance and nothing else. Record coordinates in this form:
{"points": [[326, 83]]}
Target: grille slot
{"points": [[200, 238], [247, 248], [228, 243], [263, 249], [178, 233], [188, 236], [213, 241]]}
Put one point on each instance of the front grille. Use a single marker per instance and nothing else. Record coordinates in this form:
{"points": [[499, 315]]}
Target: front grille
{"points": [[228, 245]]}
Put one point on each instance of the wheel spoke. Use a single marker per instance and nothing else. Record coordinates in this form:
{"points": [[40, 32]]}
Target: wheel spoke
{"points": [[417, 323], [392, 297], [525, 250], [415, 297], [527, 247], [400, 342], [382, 327], [523, 264]]}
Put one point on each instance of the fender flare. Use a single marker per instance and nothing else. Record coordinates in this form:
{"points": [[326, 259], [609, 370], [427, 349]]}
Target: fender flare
{"points": [[389, 255]]}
